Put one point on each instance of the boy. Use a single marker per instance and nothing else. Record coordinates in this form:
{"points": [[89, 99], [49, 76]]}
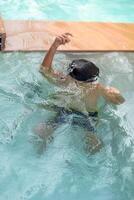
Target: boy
{"points": [[83, 93]]}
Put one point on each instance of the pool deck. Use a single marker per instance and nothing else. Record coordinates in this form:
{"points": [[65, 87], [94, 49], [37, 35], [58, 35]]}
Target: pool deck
{"points": [[28, 35]]}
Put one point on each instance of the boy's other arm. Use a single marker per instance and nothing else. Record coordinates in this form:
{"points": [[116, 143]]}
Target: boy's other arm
{"points": [[111, 94], [48, 59]]}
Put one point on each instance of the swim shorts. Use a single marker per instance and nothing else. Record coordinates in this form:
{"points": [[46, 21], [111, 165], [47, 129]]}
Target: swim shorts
{"points": [[77, 118]]}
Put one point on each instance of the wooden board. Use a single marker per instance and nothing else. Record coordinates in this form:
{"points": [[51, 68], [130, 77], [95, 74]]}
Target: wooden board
{"points": [[2, 29], [88, 36]]}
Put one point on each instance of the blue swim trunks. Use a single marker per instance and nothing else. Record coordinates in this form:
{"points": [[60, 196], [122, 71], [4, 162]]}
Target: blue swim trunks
{"points": [[77, 118]]}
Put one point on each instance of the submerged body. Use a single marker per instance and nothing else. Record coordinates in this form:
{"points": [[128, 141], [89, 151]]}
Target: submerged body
{"points": [[73, 95], [78, 95], [80, 100]]}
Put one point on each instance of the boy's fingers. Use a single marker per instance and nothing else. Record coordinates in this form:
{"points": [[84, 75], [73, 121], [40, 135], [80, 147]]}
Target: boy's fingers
{"points": [[65, 36], [59, 38], [67, 39], [69, 34], [63, 40]]}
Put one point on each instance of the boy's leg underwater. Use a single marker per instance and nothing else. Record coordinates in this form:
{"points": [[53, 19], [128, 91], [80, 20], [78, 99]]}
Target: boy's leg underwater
{"points": [[45, 133], [93, 143]]}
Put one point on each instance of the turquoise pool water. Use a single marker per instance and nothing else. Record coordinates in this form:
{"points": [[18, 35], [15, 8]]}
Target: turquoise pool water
{"points": [[64, 170], [75, 10]]}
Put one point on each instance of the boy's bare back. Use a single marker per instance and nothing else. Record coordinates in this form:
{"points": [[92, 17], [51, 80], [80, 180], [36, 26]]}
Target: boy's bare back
{"points": [[85, 97]]}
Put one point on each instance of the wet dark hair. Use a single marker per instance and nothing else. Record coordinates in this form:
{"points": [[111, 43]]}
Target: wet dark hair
{"points": [[83, 70]]}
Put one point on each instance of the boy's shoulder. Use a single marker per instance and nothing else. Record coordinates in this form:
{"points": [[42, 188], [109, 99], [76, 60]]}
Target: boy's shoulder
{"points": [[99, 87], [111, 94]]}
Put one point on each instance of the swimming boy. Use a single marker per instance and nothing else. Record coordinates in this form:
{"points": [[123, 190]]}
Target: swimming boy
{"points": [[82, 89]]}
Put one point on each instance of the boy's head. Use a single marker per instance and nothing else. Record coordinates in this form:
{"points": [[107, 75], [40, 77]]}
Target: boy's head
{"points": [[83, 70]]}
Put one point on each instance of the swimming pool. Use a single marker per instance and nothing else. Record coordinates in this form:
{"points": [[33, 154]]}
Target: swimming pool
{"points": [[64, 170]]}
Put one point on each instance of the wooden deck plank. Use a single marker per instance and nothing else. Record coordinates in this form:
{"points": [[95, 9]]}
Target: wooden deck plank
{"points": [[26, 35]]}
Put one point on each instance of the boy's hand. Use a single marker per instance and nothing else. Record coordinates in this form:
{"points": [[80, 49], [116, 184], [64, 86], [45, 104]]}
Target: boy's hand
{"points": [[62, 39], [59, 40]]}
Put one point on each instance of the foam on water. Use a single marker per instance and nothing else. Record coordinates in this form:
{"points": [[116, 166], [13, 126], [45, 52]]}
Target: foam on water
{"points": [[63, 170]]}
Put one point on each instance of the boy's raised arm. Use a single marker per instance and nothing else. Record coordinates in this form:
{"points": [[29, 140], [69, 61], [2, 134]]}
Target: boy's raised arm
{"points": [[48, 59]]}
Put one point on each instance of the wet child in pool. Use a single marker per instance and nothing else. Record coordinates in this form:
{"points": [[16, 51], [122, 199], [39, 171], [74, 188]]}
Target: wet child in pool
{"points": [[81, 79]]}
